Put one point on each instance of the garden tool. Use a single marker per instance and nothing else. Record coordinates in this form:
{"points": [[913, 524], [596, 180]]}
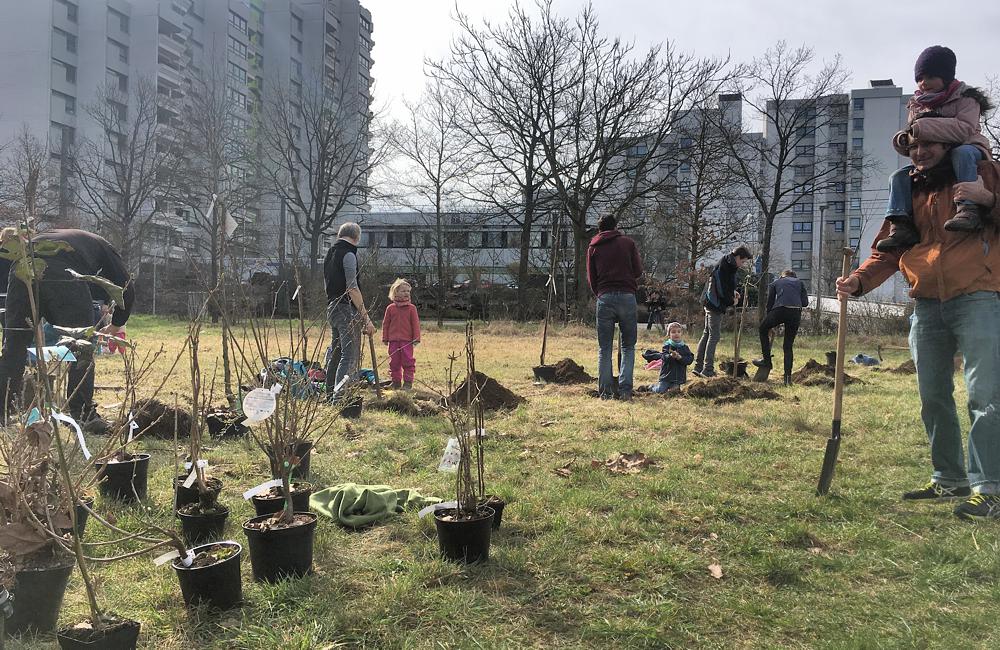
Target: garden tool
{"points": [[833, 443]]}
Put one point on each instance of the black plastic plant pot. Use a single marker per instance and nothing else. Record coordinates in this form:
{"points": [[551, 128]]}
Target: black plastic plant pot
{"points": [[217, 585], [545, 373], [185, 495], [303, 450], [225, 425], [352, 410], [495, 502], [120, 635], [831, 358], [280, 552], [465, 540], [300, 501], [6, 607], [200, 528], [126, 480], [82, 514], [38, 595]]}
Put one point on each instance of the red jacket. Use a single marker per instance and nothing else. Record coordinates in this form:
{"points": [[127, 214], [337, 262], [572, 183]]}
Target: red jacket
{"points": [[400, 323], [613, 263]]}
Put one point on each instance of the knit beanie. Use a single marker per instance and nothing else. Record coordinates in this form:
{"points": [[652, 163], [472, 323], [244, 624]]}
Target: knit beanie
{"points": [[935, 61]]}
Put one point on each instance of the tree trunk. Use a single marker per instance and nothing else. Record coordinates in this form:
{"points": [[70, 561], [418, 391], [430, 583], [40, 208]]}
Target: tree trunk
{"points": [[439, 250], [765, 259], [582, 242]]}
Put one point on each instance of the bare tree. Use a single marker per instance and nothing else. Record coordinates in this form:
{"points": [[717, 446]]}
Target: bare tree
{"points": [[126, 167], [31, 185], [438, 155], [319, 152], [991, 119], [801, 108]]}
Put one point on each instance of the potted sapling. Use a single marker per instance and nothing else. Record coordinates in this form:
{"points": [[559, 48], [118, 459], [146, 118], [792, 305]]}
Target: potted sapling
{"points": [[464, 530], [283, 410]]}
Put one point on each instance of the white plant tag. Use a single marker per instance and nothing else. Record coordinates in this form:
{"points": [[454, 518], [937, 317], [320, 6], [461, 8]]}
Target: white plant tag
{"points": [[192, 477], [166, 557], [340, 384], [452, 454], [263, 487], [296, 294], [426, 510], [276, 388], [133, 426], [259, 404], [62, 417], [201, 463]]}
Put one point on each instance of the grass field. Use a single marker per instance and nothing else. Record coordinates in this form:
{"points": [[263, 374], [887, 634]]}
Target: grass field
{"points": [[596, 560]]}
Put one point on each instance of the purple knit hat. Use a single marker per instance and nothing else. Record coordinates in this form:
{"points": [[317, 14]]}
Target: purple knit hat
{"points": [[935, 61]]}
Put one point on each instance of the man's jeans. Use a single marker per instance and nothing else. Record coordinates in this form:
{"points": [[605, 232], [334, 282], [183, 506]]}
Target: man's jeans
{"points": [[705, 358], [345, 330], [615, 307], [966, 324], [964, 159]]}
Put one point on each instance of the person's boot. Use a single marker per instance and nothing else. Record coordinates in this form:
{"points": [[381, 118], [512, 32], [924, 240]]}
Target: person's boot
{"points": [[788, 379], [902, 234], [967, 219], [763, 368], [396, 385], [408, 385], [763, 362]]}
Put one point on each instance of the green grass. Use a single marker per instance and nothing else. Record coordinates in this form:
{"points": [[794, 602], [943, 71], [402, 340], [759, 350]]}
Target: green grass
{"points": [[600, 560]]}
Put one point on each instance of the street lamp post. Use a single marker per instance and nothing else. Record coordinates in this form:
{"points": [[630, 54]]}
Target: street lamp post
{"points": [[819, 271]]}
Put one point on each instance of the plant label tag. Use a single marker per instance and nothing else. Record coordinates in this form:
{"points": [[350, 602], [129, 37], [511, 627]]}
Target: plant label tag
{"points": [[259, 404], [62, 417], [276, 388], [192, 477], [133, 426], [263, 487], [166, 557], [296, 294], [452, 454], [426, 510], [201, 463], [34, 416]]}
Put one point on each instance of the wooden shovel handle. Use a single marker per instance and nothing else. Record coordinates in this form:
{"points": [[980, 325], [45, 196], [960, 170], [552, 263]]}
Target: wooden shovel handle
{"points": [[838, 385]]}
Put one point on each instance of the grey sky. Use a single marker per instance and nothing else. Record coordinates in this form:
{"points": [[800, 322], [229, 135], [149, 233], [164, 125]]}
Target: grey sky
{"points": [[877, 39]]}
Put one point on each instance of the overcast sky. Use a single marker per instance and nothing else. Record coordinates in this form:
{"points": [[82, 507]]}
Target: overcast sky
{"points": [[877, 39]]}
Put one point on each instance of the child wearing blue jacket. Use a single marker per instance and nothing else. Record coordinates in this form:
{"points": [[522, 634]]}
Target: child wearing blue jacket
{"points": [[676, 357]]}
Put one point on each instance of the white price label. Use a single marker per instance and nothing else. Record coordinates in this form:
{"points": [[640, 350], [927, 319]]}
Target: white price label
{"points": [[452, 454], [259, 404]]}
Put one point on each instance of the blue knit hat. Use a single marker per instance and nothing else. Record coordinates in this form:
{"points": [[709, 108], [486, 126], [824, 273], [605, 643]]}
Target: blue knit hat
{"points": [[935, 61]]}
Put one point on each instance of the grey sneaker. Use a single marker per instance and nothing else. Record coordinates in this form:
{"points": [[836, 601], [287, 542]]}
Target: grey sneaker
{"points": [[937, 492], [979, 507]]}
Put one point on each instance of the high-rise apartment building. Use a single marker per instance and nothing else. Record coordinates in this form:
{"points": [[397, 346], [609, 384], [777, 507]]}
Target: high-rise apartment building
{"points": [[57, 53]]}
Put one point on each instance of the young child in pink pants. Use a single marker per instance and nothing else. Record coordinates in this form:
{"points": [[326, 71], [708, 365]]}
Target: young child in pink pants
{"points": [[401, 330]]}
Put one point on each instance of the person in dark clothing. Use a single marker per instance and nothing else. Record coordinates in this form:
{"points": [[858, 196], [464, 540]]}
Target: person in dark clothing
{"points": [[654, 309], [785, 299], [676, 357], [63, 301], [720, 295], [613, 271], [345, 308]]}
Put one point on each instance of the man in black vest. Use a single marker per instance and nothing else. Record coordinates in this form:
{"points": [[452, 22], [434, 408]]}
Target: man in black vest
{"points": [[345, 307]]}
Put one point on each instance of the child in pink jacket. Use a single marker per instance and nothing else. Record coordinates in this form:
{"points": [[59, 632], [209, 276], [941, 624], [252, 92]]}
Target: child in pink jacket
{"points": [[401, 330], [943, 109]]}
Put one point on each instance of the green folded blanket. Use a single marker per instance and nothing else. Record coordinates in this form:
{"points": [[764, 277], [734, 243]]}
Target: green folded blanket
{"points": [[357, 506]]}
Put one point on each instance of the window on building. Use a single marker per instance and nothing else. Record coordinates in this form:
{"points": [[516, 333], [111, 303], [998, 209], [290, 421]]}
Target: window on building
{"points": [[68, 38], [64, 101], [803, 208], [686, 143], [802, 171], [838, 226], [839, 187], [802, 245], [366, 24], [805, 150], [857, 143], [71, 11], [856, 203], [237, 47], [859, 103], [685, 166], [456, 239], [297, 45], [838, 206], [117, 21], [121, 111], [399, 239], [855, 223], [117, 51], [493, 239], [238, 21], [237, 74], [800, 265], [802, 226], [805, 188], [116, 80], [855, 184], [859, 123], [296, 88], [238, 98], [855, 242], [837, 148], [840, 129], [297, 68], [297, 23], [64, 71], [60, 137]]}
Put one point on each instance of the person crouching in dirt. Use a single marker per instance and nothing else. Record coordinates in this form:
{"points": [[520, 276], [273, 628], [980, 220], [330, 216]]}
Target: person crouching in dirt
{"points": [[676, 357], [63, 301], [955, 282], [720, 295], [785, 299]]}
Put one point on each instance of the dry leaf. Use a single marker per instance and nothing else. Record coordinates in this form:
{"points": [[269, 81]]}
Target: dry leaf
{"points": [[715, 570], [39, 434], [21, 539], [625, 463], [815, 550], [565, 471]]}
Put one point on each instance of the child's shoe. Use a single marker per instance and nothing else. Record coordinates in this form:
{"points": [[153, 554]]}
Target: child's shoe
{"points": [[902, 234], [967, 219], [396, 385], [407, 385]]}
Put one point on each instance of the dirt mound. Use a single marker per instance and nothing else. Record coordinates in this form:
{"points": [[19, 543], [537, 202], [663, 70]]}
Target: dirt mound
{"points": [[726, 390], [815, 373], [156, 419], [905, 368], [492, 394], [404, 404], [570, 372]]}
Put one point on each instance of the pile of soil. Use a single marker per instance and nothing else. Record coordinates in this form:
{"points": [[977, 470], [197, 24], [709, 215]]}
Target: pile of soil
{"points": [[815, 373], [905, 368], [156, 419], [405, 404], [726, 390], [570, 372], [492, 394]]}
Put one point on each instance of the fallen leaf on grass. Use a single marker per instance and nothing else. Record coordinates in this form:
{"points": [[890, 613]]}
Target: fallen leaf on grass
{"points": [[624, 463], [815, 550], [715, 570], [565, 471], [549, 423]]}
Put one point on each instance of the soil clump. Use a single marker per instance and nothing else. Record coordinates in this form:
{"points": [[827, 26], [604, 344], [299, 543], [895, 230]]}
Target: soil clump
{"points": [[492, 394], [726, 390], [156, 419], [570, 372], [405, 404], [814, 373]]}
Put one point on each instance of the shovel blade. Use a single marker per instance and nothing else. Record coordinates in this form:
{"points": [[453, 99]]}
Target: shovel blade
{"points": [[762, 373], [829, 465]]}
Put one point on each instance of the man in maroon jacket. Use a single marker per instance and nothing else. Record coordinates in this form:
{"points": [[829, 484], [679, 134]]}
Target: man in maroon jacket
{"points": [[613, 271]]}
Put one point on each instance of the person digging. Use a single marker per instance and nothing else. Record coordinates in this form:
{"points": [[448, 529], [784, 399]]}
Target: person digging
{"points": [[955, 282], [720, 294], [785, 299]]}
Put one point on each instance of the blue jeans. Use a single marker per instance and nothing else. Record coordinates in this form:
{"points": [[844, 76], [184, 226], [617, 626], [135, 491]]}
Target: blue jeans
{"points": [[615, 307], [964, 159], [938, 330], [345, 330], [705, 357], [661, 387]]}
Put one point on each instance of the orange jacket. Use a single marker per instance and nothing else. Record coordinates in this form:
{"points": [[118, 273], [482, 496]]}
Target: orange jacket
{"points": [[944, 264]]}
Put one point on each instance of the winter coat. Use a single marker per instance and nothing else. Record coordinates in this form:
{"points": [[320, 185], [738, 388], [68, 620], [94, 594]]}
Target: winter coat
{"points": [[721, 285], [613, 263], [787, 292], [943, 265], [400, 323], [959, 122], [673, 372]]}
